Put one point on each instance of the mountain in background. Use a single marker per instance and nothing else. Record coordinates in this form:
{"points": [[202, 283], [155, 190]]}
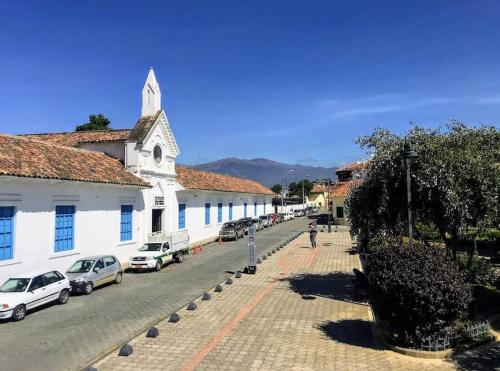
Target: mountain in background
{"points": [[266, 171]]}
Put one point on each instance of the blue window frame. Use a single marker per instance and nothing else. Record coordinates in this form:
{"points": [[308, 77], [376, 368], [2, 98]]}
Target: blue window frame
{"points": [[207, 214], [230, 211], [65, 217], [255, 209], [126, 223], [219, 213], [264, 208], [182, 216], [6, 233], [245, 207]]}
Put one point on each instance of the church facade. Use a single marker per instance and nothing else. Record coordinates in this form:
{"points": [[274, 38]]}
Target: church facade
{"points": [[64, 196]]}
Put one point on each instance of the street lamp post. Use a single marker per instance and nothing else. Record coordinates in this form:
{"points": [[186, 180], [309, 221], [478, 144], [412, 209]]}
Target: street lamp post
{"points": [[328, 207], [283, 189], [409, 155], [303, 193]]}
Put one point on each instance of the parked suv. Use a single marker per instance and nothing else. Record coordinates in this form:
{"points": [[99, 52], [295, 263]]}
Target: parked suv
{"points": [[258, 224], [266, 221], [246, 222], [87, 273], [27, 291], [232, 230]]}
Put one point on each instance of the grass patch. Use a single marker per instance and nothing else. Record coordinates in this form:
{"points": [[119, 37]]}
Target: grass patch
{"points": [[486, 300]]}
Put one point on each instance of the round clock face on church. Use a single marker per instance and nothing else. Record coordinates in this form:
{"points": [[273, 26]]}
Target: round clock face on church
{"points": [[157, 153]]}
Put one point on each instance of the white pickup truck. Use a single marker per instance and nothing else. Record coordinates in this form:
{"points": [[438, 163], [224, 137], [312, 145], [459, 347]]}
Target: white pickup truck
{"points": [[160, 249]]}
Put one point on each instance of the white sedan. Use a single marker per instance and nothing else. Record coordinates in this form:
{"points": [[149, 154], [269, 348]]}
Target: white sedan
{"points": [[27, 291]]}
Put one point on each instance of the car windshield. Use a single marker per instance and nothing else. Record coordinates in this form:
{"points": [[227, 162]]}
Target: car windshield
{"points": [[15, 285], [229, 225], [263, 217], [81, 266], [151, 247]]}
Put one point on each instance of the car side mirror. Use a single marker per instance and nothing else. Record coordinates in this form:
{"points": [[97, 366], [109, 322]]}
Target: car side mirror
{"points": [[97, 269]]}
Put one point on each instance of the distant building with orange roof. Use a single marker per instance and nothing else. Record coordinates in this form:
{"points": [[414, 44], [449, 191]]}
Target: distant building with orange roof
{"points": [[349, 177]]}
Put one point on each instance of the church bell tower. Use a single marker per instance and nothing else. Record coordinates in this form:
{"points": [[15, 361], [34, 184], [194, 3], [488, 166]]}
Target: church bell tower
{"points": [[151, 95]]}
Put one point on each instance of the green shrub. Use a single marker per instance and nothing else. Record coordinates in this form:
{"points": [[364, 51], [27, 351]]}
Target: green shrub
{"points": [[480, 272], [418, 292]]}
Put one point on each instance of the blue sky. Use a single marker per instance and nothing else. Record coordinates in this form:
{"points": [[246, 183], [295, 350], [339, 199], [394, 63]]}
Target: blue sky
{"points": [[293, 81]]}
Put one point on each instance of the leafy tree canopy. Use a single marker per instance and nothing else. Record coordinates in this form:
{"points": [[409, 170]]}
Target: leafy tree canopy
{"points": [[455, 182], [277, 188], [295, 188], [96, 122]]}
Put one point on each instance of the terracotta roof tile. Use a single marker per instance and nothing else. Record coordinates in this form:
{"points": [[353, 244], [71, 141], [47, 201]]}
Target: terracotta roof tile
{"points": [[353, 166], [72, 139], [198, 179], [142, 127], [342, 189], [318, 188], [24, 157]]}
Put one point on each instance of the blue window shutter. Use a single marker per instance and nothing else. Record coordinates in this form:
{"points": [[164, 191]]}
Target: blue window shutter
{"points": [[255, 209], [245, 205], [207, 214], [264, 208], [126, 223], [219, 213], [182, 216], [64, 236], [230, 211], [6, 233]]}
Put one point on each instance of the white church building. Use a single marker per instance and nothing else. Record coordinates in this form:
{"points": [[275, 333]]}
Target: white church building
{"points": [[64, 196]]}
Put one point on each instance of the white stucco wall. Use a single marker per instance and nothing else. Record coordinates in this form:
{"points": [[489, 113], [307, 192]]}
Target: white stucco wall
{"points": [[195, 210], [96, 222], [113, 149]]}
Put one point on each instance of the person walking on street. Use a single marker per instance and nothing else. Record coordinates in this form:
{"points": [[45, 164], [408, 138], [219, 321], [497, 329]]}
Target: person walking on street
{"points": [[312, 234]]}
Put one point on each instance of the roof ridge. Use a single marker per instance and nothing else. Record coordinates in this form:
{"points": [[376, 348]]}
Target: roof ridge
{"points": [[77, 132], [213, 172]]}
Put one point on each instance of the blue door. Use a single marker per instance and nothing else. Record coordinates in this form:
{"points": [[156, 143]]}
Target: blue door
{"points": [[64, 228], [6, 233]]}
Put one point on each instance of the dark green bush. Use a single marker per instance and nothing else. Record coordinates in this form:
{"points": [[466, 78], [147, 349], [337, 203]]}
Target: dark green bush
{"points": [[418, 292], [480, 272]]}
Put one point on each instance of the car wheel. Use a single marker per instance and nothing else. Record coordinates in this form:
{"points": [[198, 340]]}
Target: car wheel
{"points": [[158, 266], [87, 289], [19, 313], [118, 278], [63, 297], [180, 258]]}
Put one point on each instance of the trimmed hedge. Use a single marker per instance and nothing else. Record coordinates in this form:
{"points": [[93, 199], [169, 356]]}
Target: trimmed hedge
{"points": [[417, 291]]}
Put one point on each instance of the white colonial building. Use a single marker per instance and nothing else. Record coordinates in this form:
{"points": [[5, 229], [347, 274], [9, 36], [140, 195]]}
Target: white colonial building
{"points": [[64, 196]]}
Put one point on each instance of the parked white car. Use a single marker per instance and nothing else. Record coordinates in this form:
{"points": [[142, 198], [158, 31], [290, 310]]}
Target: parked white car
{"points": [[28, 291]]}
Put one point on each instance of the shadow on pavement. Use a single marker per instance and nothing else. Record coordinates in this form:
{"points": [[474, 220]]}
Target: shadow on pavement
{"points": [[486, 357], [349, 331], [336, 285]]}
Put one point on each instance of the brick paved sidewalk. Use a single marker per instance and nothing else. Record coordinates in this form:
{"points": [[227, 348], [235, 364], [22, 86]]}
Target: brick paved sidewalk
{"points": [[298, 313]]}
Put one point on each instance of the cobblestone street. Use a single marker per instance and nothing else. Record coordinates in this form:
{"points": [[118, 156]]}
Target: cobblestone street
{"points": [[298, 313]]}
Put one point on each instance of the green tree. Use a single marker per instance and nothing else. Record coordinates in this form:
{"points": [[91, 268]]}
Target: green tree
{"points": [[277, 188], [96, 122], [295, 188], [455, 183]]}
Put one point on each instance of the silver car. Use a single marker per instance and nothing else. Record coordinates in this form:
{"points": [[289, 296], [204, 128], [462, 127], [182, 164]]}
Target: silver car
{"points": [[87, 273]]}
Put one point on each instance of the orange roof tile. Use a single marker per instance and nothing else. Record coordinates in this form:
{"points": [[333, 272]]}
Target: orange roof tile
{"points": [[318, 188], [24, 157], [342, 189], [72, 139], [142, 127], [353, 166], [203, 180]]}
